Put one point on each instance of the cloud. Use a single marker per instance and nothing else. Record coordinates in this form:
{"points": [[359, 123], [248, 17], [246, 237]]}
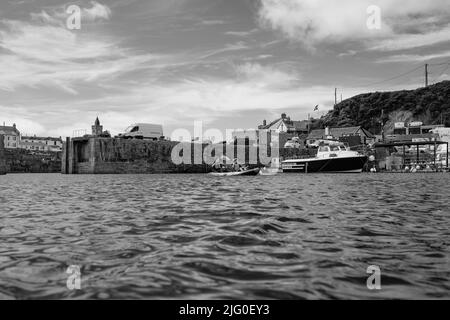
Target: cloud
{"points": [[266, 76], [413, 57], [39, 54], [312, 22], [23, 123], [410, 41], [212, 22], [240, 45], [97, 11], [241, 33]]}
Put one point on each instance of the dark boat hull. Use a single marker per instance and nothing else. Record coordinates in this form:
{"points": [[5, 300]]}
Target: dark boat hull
{"points": [[330, 165], [252, 172]]}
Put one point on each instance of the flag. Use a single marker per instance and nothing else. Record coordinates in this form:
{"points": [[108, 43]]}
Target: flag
{"points": [[316, 108]]}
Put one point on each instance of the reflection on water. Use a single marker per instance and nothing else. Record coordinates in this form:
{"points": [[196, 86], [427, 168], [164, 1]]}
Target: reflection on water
{"points": [[196, 236]]}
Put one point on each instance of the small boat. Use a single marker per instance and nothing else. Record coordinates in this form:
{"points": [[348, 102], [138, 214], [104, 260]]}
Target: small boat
{"points": [[273, 169], [269, 171], [333, 158], [251, 172]]}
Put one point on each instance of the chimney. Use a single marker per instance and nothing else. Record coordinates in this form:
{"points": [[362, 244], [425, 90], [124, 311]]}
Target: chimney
{"points": [[327, 131], [264, 123], [14, 125]]}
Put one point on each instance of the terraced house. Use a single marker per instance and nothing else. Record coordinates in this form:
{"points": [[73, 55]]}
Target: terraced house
{"points": [[11, 136], [46, 144]]}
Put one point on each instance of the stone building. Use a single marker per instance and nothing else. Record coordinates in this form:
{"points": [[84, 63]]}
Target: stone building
{"points": [[46, 144], [97, 130], [11, 136], [286, 125]]}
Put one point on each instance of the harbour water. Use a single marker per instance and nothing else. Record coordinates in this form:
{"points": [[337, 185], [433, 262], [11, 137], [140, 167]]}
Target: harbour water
{"points": [[201, 237]]}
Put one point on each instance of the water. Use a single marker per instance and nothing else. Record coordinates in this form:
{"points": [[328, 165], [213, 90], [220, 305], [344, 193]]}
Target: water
{"points": [[196, 236]]}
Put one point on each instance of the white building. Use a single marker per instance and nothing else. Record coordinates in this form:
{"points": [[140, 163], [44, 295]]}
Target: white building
{"points": [[46, 144], [11, 136]]}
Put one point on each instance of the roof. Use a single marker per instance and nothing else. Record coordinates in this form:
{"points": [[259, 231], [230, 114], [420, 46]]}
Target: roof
{"points": [[409, 143], [291, 125], [340, 132], [41, 138], [9, 130]]}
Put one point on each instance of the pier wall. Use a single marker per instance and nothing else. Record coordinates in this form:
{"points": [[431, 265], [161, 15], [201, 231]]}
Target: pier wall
{"points": [[2, 156], [94, 155], [111, 155], [25, 161]]}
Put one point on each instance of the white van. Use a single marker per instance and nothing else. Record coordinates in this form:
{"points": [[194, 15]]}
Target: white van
{"points": [[146, 131]]}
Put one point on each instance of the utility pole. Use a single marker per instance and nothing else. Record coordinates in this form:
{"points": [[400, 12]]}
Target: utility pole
{"points": [[335, 96], [426, 75], [309, 123]]}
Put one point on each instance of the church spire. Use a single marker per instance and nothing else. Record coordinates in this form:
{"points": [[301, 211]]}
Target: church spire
{"points": [[97, 129]]}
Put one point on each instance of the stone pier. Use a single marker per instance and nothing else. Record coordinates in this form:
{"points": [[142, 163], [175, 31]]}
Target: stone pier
{"points": [[96, 155], [2, 156]]}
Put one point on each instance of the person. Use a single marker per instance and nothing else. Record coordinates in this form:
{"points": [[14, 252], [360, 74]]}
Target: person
{"points": [[236, 166]]}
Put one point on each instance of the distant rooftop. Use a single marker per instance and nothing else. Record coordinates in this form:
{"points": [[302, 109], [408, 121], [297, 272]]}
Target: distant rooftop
{"points": [[339, 132], [290, 124], [41, 138], [9, 130]]}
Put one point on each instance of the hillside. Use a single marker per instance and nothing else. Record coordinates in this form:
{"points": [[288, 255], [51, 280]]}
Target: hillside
{"points": [[428, 105]]}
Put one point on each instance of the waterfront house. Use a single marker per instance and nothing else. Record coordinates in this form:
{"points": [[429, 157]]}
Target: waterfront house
{"points": [[11, 136], [287, 129], [44, 144], [286, 125], [278, 132], [352, 135]]}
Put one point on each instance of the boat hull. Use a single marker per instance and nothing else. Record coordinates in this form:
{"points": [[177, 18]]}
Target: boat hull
{"points": [[330, 165], [253, 172]]}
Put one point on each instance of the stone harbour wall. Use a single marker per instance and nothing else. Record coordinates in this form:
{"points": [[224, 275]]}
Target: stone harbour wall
{"points": [[25, 161], [121, 156], [2, 156]]}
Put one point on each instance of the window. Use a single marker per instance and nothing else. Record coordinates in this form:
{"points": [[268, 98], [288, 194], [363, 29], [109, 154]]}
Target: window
{"points": [[334, 148], [135, 129]]}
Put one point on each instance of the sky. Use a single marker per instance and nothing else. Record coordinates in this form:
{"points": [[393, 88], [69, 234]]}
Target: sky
{"points": [[228, 63]]}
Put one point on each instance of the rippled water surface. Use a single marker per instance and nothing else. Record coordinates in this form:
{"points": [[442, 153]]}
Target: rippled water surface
{"points": [[196, 236]]}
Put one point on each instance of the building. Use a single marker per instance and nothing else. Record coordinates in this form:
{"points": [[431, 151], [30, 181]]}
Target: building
{"points": [[97, 130], [43, 144], [352, 135], [285, 129], [11, 136], [415, 127], [286, 125]]}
